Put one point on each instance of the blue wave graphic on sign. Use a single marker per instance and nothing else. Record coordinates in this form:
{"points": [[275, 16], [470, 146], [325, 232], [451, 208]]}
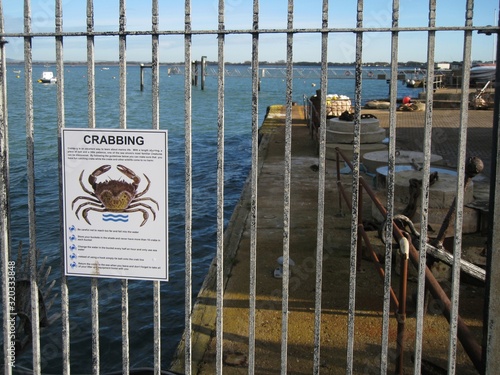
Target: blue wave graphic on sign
{"points": [[115, 217]]}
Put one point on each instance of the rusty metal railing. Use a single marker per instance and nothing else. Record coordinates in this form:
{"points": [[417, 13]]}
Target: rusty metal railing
{"points": [[408, 252]]}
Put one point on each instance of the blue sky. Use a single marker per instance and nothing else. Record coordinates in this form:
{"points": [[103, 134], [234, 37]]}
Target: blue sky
{"points": [[238, 15]]}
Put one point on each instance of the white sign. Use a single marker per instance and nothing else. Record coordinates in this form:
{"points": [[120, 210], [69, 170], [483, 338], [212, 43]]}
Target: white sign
{"points": [[115, 203]]}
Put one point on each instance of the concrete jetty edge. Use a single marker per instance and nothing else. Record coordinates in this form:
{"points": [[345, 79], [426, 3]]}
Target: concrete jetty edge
{"points": [[204, 311]]}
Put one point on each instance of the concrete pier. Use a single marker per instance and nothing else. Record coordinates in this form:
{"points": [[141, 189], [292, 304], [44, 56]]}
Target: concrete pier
{"points": [[369, 294]]}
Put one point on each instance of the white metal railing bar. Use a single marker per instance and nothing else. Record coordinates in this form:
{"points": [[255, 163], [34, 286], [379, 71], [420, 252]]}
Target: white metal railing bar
{"points": [[254, 192], [156, 327], [60, 65], [188, 189], [65, 339], [7, 277], [155, 89], [94, 291], [122, 48], [391, 162], [220, 192], [425, 189], [344, 30], [30, 169], [321, 193], [94, 309], [491, 342], [122, 53], [155, 65], [355, 241], [459, 200], [286, 192], [90, 65], [125, 327]]}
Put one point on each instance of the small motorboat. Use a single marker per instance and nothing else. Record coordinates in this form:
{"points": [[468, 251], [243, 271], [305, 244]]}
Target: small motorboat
{"points": [[414, 83], [483, 73], [47, 77]]}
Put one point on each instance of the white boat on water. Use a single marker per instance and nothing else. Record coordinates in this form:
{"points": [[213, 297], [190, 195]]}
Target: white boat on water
{"points": [[47, 77], [483, 73]]}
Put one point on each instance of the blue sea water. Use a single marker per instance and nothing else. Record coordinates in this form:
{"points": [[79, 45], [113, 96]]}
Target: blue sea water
{"points": [[237, 145]]}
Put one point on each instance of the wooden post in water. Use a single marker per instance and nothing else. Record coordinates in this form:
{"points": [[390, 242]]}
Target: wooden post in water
{"points": [[203, 66], [142, 75], [194, 68]]}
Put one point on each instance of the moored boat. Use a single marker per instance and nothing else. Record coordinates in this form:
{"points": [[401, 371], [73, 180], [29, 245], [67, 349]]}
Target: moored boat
{"points": [[47, 77], [482, 73], [415, 83]]}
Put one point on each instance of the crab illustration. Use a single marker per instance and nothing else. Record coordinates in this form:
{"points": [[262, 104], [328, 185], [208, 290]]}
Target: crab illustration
{"points": [[114, 195]]}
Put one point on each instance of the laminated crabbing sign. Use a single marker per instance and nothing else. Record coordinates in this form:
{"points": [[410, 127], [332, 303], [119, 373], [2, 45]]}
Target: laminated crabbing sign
{"points": [[115, 203]]}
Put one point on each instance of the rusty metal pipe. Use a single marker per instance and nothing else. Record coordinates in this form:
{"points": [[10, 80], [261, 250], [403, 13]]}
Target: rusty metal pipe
{"points": [[469, 343], [401, 313], [344, 194], [377, 264]]}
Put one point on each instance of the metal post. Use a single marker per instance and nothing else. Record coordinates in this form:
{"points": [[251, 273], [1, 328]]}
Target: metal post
{"points": [[65, 330], [188, 196], [220, 192], [320, 234], [286, 193], [425, 190], [142, 77], [194, 68], [5, 213], [30, 171], [254, 191], [391, 162], [491, 329], [202, 72]]}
